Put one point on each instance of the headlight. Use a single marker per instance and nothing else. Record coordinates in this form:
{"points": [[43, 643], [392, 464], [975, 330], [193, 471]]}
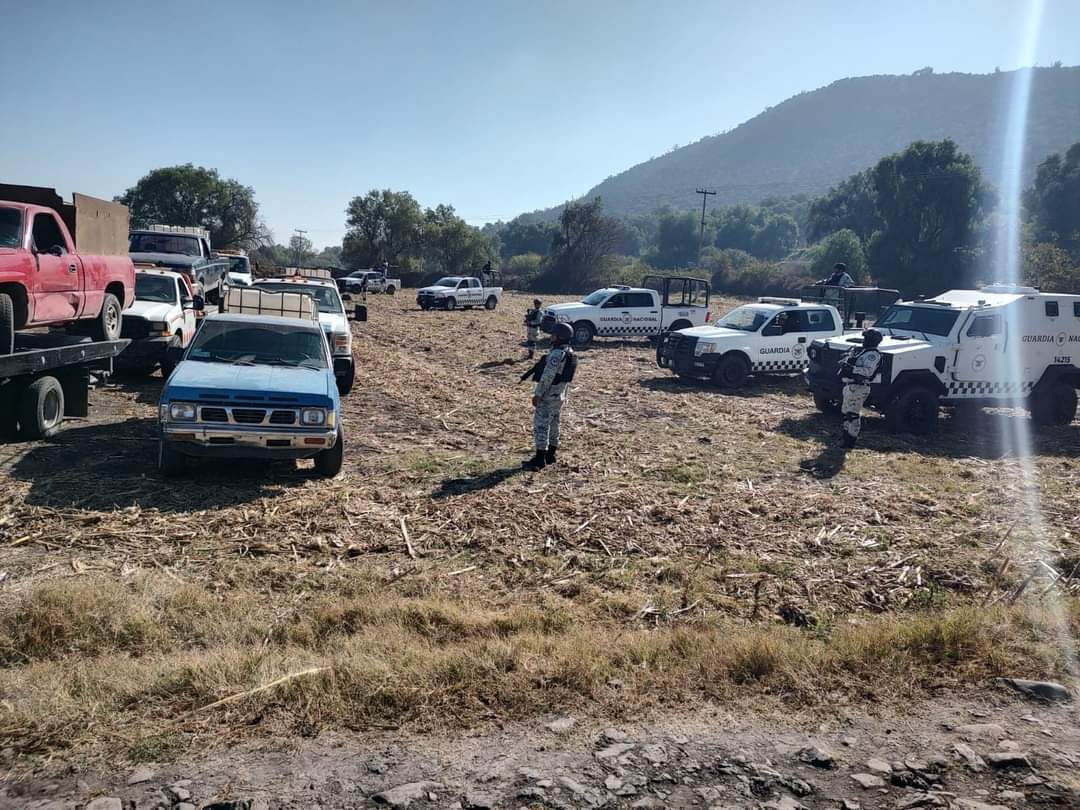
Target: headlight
{"points": [[704, 348], [562, 318], [158, 326], [341, 344], [182, 411], [313, 416]]}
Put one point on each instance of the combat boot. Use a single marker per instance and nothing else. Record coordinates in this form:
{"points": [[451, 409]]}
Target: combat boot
{"points": [[549, 457], [537, 462]]}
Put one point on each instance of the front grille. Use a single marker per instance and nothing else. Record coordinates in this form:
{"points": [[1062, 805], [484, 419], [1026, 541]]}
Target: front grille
{"points": [[134, 328], [547, 323], [248, 416], [213, 415], [683, 347], [283, 418]]}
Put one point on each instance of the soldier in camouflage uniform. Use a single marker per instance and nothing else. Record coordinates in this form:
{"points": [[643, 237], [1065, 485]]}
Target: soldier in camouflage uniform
{"points": [[533, 318], [549, 396], [857, 369]]}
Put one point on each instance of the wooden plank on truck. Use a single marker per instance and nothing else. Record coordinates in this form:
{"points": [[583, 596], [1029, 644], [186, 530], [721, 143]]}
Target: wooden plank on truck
{"points": [[101, 227]]}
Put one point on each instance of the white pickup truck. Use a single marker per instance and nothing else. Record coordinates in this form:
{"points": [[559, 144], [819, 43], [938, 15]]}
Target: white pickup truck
{"points": [[372, 281], [772, 336], [160, 322], [661, 304], [453, 292]]}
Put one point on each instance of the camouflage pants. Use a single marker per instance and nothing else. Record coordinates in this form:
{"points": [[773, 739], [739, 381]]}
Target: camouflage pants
{"points": [[531, 334], [546, 422], [855, 395]]}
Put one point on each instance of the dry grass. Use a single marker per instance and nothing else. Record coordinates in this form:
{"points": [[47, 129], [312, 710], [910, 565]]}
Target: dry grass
{"points": [[692, 544]]}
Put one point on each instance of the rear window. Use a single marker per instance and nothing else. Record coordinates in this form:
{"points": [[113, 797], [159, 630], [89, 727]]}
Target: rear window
{"points": [[164, 243]]}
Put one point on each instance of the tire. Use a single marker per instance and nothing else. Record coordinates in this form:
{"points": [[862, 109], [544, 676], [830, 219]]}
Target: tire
{"points": [[7, 324], [913, 410], [584, 332], [108, 322], [827, 405], [170, 462], [661, 362], [491, 302], [1054, 406], [732, 370], [328, 462], [345, 381], [391, 290], [41, 408], [451, 304]]}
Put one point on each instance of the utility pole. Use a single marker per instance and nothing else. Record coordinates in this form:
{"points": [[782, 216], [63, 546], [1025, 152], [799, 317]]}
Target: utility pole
{"points": [[705, 194], [300, 241]]}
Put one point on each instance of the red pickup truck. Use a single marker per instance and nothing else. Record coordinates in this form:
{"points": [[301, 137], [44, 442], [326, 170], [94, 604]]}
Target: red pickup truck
{"points": [[44, 280]]}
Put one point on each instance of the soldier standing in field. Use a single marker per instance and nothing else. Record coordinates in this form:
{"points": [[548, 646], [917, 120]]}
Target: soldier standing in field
{"points": [[857, 369], [553, 375], [533, 317]]}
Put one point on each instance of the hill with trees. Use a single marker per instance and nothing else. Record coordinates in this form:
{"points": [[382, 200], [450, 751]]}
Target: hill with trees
{"points": [[817, 139]]}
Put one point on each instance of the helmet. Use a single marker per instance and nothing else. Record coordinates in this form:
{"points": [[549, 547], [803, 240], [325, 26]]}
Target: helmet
{"points": [[536, 301], [871, 338], [562, 333], [840, 266]]}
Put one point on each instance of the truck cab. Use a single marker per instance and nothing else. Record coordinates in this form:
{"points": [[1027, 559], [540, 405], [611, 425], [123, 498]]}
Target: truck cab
{"points": [[661, 304], [162, 321], [768, 337], [256, 382], [1002, 346], [183, 250]]}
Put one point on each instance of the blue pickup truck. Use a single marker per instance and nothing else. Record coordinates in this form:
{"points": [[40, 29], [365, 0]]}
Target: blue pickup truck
{"points": [[256, 382]]}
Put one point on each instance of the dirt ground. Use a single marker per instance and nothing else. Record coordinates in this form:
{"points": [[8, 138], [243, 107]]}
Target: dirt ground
{"points": [[692, 546]]}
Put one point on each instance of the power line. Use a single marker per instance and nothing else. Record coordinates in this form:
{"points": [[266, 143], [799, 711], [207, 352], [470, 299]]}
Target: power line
{"points": [[299, 244], [705, 194]]}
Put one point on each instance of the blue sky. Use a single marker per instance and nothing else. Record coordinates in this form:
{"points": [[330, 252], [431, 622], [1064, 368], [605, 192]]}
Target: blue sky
{"points": [[494, 107]]}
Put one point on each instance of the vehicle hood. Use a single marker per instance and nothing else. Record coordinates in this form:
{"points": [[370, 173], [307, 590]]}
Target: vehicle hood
{"points": [[333, 322], [149, 310], [714, 333], [889, 345], [435, 289], [572, 309], [239, 279], [167, 259], [194, 377]]}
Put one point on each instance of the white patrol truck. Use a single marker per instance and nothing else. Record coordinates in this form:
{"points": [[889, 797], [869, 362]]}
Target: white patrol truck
{"points": [[332, 318], [160, 323], [452, 292], [661, 304], [999, 346], [769, 337]]}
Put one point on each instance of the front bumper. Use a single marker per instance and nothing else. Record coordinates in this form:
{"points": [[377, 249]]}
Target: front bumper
{"points": [[429, 300], [343, 365], [676, 352], [234, 441], [547, 325], [145, 352]]}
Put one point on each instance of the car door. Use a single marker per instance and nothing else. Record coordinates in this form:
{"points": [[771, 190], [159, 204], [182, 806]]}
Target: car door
{"points": [[187, 314], [644, 309], [58, 280], [814, 324], [778, 341], [980, 355]]}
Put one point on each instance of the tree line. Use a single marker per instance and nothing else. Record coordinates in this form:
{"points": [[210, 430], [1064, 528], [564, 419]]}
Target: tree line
{"points": [[922, 220]]}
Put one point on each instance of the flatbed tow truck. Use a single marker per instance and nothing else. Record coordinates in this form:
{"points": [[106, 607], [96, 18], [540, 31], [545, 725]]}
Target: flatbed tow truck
{"points": [[47, 378]]}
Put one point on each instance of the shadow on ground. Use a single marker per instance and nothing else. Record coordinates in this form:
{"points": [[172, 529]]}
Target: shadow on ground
{"points": [[113, 465], [753, 387], [475, 483]]}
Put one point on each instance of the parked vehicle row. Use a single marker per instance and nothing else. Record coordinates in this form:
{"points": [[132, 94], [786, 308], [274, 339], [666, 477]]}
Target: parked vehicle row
{"points": [[183, 250]]}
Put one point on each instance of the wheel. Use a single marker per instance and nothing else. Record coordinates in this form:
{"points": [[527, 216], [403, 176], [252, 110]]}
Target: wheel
{"points": [[732, 370], [827, 404], [1054, 406], [169, 461], [391, 290], [491, 302], [451, 303], [107, 325], [583, 333], [345, 381], [41, 408], [7, 324], [661, 361], [675, 327], [913, 410], [425, 307], [328, 462]]}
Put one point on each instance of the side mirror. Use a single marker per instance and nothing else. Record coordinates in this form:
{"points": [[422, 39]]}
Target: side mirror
{"points": [[55, 250], [187, 303], [360, 313], [198, 303]]}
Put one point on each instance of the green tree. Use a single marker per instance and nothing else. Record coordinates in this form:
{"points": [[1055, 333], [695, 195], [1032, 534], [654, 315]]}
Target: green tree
{"points": [[849, 206], [736, 226], [584, 242], [1053, 202], [518, 237], [452, 245], [300, 251], [382, 226], [677, 240], [842, 246], [194, 196], [931, 199], [1051, 269], [777, 237]]}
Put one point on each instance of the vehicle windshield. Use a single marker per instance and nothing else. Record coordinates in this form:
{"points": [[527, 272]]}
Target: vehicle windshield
{"points": [[157, 289], [928, 320], [448, 281], [597, 298], [326, 297], [249, 344], [154, 242], [745, 319], [239, 264], [10, 227]]}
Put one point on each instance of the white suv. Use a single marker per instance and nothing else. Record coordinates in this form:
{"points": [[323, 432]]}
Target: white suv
{"points": [[769, 337]]}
